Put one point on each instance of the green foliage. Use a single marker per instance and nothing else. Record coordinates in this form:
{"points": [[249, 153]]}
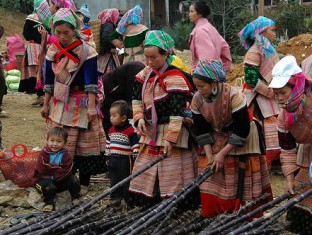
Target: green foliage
{"points": [[289, 18], [308, 24], [25, 6], [180, 32]]}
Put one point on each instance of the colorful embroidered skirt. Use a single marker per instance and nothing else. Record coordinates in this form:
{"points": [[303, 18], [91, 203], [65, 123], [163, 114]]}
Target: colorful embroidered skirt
{"points": [[219, 192], [173, 172]]}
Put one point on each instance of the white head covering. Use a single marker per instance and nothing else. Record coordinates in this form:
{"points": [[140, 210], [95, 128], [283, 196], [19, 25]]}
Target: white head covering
{"points": [[283, 70]]}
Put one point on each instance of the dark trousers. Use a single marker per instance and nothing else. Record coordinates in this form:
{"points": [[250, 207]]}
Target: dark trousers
{"points": [[1, 135], [119, 169], [49, 188], [3, 89]]}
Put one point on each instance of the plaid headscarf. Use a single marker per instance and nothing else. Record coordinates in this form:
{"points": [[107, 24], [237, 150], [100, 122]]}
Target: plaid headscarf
{"points": [[251, 34], [133, 16], [160, 39], [69, 16], [210, 69], [65, 4], [37, 4], [60, 3], [109, 15], [296, 99]]}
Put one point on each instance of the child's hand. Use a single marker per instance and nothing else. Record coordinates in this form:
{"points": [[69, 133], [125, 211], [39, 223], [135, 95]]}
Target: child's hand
{"points": [[42, 30]]}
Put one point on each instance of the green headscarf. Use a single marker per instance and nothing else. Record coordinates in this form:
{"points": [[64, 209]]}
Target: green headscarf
{"points": [[69, 16], [36, 5], [160, 39]]}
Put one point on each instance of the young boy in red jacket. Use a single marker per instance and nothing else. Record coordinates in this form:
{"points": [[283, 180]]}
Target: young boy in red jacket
{"points": [[53, 171]]}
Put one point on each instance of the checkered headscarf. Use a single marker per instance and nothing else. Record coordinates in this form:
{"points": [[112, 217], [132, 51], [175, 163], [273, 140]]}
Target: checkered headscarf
{"points": [[69, 16], [109, 15], [211, 70], [160, 39]]}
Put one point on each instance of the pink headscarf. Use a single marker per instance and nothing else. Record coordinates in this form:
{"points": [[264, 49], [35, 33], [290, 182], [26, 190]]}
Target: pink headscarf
{"points": [[109, 15], [296, 101], [65, 4]]}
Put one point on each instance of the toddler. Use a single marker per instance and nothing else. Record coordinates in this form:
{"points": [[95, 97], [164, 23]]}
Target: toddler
{"points": [[121, 148]]}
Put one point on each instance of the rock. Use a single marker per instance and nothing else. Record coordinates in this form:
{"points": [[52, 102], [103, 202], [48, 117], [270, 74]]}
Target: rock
{"points": [[12, 195], [4, 200], [34, 198]]}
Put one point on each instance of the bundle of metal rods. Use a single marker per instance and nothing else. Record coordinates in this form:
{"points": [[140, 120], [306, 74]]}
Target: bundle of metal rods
{"points": [[163, 218]]}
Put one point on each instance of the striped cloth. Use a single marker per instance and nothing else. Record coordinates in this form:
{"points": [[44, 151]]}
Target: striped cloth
{"points": [[134, 54], [270, 133], [108, 62], [261, 93], [30, 61], [174, 172], [301, 129], [223, 185]]}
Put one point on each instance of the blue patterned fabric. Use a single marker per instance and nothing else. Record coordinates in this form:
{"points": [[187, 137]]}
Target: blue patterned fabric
{"points": [[251, 34]]}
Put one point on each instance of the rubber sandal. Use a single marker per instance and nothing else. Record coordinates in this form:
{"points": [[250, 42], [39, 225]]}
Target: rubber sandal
{"points": [[47, 208]]}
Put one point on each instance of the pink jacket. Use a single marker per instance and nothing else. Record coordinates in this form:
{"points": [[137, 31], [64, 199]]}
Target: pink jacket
{"points": [[206, 43]]}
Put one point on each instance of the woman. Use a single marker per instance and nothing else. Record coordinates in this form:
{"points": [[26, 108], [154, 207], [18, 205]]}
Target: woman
{"points": [[159, 99], [229, 141], [108, 59], [130, 34], [80, 113], [257, 37], [30, 61], [292, 90], [205, 41], [47, 8]]}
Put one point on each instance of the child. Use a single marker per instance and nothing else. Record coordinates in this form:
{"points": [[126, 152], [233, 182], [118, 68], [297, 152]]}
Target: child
{"points": [[121, 149], [53, 171], [85, 32]]}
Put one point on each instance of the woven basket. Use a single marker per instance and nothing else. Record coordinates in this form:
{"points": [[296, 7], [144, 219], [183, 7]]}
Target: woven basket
{"points": [[96, 31], [19, 60]]}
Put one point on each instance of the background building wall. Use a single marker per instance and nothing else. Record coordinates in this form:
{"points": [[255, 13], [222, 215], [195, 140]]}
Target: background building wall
{"points": [[95, 6]]}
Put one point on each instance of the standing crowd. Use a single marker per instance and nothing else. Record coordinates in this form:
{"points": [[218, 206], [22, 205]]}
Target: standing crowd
{"points": [[153, 106]]}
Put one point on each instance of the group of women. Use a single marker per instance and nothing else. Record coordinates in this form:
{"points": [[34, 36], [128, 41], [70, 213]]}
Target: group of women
{"points": [[234, 132]]}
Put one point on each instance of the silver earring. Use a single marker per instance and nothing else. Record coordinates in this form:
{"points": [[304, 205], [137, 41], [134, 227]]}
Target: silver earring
{"points": [[214, 90]]}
